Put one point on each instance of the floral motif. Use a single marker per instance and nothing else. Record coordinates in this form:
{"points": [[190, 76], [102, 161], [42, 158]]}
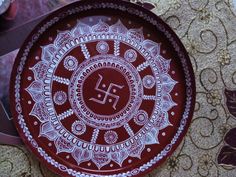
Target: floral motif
{"points": [[111, 137], [148, 81], [173, 164], [130, 55], [174, 4], [78, 128], [191, 46], [224, 128], [141, 118], [60, 98], [205, 162], [102, 47], [214, 97], [224, 57], [205, 15], [70, 63]]}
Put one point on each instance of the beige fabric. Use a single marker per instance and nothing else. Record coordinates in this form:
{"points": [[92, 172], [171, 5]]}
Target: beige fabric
{"points": [[208, 30]]}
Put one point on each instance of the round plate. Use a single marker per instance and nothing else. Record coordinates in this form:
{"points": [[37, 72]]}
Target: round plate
{"points": [[102, 88]]}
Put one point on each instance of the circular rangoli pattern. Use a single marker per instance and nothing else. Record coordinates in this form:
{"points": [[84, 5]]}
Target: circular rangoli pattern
{"points": [[100, 94]]}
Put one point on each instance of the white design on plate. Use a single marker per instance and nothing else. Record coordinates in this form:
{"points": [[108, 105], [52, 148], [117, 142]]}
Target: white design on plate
{"points": [[78, 127], [70, 63], [60, 97], [85, 51], [116, 48], [50, 120], [95, 135], [111, 137], [141, 118], [102, 47], [107, 93], [148, 81], [130, 55]]}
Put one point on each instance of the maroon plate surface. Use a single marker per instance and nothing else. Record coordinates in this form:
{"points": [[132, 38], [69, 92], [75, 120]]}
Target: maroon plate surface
{"points": [[102, 88]]}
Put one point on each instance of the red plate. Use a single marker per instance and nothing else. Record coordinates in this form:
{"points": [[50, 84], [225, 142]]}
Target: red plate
{"points": [[102, 88]]}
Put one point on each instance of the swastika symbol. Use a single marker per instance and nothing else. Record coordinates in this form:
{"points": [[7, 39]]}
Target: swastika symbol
{"points": [[106, 92]]}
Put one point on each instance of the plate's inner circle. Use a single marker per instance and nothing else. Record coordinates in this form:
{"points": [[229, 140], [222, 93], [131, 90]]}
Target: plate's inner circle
{"points": [[104, 91]]}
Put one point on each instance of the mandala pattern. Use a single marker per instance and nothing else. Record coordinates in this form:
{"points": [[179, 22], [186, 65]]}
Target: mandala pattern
{"points": [[97, 102], [141, 118], [106, 106], [102, 47], [130, 55], [70, 63], [111, 137], [148, 82], [215, 22], [78, 127], [60, 97], [106, 93]]}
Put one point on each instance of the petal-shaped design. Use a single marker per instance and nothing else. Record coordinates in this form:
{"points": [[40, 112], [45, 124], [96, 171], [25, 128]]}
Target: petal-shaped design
{"points": [[163, 65], [162, 121], [152, 136], [48, 52], [152, 47], [63, 145], [167, 83], [166, 79], [35, 90], [231, 101], [118, 27], [101, 159], [63, 38], [40, 70], [136, 149], [101, 27], [48, 131], [168, 87], [81, 155], [81, 29], [119, 157], [167, 102], [136, 34], [40, 111]]}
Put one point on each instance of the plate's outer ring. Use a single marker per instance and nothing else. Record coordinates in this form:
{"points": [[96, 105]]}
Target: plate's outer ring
{"points": [[150, 15]]}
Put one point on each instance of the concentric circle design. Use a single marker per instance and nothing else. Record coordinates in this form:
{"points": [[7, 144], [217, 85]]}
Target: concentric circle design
{"points": [[70, 63], [141, 118], [100, 90], [60, 97], [148, 81], [130, 55], [105, 104], [102, 47], [111, 137], [78, 128]]}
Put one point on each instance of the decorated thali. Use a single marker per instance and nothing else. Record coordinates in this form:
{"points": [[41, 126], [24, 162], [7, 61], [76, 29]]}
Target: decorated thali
{"points": [[102, 88]]}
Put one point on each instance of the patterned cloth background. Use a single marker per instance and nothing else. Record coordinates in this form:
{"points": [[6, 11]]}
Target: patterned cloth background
{"points": [[208, 30]]}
